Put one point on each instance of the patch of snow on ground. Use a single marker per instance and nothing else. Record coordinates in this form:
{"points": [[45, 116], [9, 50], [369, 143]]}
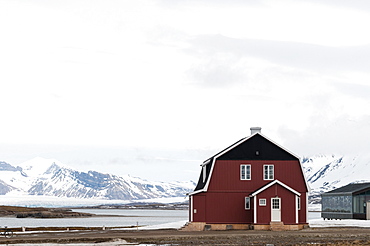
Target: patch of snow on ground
{"points": [[315, 223], [314, 207], [171, 225]]}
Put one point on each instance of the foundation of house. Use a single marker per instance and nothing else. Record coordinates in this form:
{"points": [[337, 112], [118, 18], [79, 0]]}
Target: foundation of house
{"points": [[273, 226]]}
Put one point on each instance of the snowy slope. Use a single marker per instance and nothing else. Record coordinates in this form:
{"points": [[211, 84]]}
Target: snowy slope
{"points": [[66, 182], [13, 178], [328, 172], [49, 177], [38, 166]]}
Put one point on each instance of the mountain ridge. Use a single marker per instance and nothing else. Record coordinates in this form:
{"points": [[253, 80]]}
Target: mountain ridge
{"points": [[51, 178]]}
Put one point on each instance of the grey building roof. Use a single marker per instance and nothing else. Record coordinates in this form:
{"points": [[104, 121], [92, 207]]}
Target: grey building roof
{"points": [[349, 189]]}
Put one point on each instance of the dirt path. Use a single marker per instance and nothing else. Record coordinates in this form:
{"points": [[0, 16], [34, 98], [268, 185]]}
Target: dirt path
{"points": [[331, 236]]}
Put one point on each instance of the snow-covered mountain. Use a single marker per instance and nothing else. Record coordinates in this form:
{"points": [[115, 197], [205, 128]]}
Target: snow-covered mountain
{"points": [[328, 172], [49, 177]]}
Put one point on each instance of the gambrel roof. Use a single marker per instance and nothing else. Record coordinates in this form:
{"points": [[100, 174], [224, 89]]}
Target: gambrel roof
{"points": [[254, 147]]}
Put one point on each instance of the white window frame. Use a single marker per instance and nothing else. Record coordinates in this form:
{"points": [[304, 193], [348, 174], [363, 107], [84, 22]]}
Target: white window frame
{"points": [[270, 168], [299, 203], [273, 205], [204, 173], [246, 176], [262, 202], [247, 203]]}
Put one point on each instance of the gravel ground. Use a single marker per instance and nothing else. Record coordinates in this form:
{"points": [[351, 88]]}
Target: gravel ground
{"points": [[322, 236]]}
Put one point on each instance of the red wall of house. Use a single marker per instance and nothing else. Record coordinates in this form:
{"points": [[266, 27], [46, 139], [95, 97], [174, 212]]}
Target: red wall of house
{"points": [[303, 211], [224, 200], [225, 208], [199, 205], [226, 175], [228, 208]]}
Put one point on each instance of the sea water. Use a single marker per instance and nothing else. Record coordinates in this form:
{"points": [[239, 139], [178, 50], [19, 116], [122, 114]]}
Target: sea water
{"points": [[107, 218], [125, 218], [141, 216]]}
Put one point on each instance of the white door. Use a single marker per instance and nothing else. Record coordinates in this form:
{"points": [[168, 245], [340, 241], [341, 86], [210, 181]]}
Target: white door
{"points": [[275, 209]]}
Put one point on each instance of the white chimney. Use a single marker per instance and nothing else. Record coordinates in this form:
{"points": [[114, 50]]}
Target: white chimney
{"points": [[255, 130]]}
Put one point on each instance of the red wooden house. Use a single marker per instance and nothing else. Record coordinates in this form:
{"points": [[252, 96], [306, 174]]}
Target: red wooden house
{"points": [[254, 183]]}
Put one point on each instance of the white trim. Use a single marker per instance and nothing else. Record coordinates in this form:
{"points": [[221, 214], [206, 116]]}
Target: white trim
{"points": [[306, 207], [272, 208], [278, 145], [272, 204], [296, 209], [191, 209], [268, 171], [205, 163], [304, 176], [245, 171], [255, 210], [245, 203], [275, 182], [205, 188], [262, 199], [196, 192], [204, 172]]}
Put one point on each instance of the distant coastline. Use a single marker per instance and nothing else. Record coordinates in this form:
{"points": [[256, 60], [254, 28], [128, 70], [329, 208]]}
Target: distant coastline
{"points": [[139, 205], [40, 212]]}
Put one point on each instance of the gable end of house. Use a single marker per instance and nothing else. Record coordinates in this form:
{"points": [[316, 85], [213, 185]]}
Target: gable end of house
{"points": [[254, 147]]}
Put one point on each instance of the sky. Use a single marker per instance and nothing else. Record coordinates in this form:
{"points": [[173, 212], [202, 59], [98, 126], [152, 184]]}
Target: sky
{"points": [[152, 88]]}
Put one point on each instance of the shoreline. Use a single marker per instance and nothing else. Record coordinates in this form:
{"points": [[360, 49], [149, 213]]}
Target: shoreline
{"points": [[320, 236], [53, 213]]}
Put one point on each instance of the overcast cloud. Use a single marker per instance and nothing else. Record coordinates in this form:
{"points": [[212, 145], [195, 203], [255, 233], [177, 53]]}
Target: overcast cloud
{"points": [[153, 88]]}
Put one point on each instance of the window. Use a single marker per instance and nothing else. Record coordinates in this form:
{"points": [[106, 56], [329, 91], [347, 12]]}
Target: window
{"points": [[247, 203], [268, 172], [275, 203], [263, 202], [245, 172], [204, 173], [299, 203]]}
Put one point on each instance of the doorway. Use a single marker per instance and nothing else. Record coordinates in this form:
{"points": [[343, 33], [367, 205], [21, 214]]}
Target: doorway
{"points": [[276, 209]]}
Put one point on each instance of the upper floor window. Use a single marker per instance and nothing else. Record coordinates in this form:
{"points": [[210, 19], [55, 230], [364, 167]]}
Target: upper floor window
{"points": [[268, 172], [204, 167], [204, 173], [245, 172]]}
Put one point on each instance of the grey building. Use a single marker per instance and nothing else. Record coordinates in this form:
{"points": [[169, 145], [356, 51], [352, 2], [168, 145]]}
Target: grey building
{"points": [[347, 202]]}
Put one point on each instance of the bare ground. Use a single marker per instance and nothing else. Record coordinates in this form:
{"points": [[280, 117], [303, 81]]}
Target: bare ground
{"points": [[327, 236]]}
